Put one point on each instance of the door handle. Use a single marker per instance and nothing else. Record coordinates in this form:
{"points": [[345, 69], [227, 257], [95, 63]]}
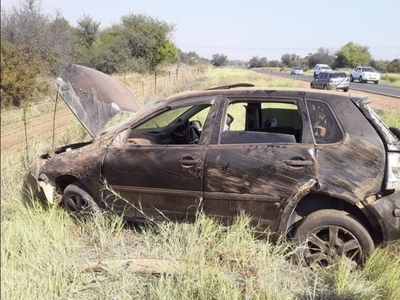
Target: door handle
{"points": [[188, 161], [298, 163]]}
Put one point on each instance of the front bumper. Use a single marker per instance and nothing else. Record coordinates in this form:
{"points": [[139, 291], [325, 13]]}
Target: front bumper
{"points": [[31, 190], [387, 212]]}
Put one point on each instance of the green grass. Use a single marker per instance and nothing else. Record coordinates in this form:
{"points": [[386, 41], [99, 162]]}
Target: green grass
{"points": [[41, 249]]}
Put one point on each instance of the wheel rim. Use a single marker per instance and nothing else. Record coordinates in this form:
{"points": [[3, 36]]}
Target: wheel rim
{"points": [[360, 79], [76, 204], [328, 243]]}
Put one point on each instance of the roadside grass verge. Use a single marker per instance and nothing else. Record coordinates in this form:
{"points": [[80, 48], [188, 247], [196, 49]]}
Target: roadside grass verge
{"points": [[41, 249]]}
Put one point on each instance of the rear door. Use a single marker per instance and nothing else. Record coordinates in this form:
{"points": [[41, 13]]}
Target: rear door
{"points": [[259, 164]]}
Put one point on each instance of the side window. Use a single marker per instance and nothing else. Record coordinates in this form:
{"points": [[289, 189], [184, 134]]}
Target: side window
{"points": [[261, 122], [201, 117], [325, 128]]}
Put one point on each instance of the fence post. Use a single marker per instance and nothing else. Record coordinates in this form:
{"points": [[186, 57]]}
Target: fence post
{"points": [[155, 81], [54, 120], [25, 110], [177, 71]]}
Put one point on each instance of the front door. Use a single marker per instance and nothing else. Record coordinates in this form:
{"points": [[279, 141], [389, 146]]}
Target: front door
{"points": [[162, 178]]}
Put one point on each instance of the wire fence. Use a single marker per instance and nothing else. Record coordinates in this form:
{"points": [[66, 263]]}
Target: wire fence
{"points": [[49, 123]]}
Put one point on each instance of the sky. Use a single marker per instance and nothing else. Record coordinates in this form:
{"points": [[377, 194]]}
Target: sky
{"points": [[243, 29]]}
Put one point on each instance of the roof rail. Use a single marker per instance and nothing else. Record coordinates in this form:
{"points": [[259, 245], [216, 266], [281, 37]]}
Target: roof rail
{"points": [[230, 86]]}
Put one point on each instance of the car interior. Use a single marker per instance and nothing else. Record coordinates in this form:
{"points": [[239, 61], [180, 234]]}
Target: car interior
{"points": [[245, 122]]}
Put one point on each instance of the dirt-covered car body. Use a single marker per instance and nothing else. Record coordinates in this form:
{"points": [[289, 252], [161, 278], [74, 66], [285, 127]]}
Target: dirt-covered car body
{"points": [[280, 155]]}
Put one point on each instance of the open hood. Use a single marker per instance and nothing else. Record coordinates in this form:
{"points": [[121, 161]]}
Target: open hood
{"points": [[94, 97]]}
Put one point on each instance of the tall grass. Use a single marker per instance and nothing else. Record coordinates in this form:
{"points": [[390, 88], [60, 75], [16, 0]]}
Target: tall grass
{"points": [[42, 248]]}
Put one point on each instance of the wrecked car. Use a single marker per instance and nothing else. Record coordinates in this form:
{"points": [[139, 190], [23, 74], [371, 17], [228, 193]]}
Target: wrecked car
{"points": [[315, 165]]}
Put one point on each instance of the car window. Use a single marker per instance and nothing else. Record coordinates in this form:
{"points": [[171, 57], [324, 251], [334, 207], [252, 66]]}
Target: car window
{"points": [[325, 127], [261, 122], [369, 70], [165, 118], [338, 75], [201, 116]]}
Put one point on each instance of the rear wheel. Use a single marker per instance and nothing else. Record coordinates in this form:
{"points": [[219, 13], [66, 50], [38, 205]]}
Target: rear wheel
{"points": [[331, 234], [311, 86], [346, 90], [78, 202]]}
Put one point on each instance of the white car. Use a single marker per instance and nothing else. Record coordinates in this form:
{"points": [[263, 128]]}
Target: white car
{"points": [[365, 74], [321, 68], [296, 71]]}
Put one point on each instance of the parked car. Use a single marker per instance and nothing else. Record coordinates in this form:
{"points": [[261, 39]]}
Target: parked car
{"points": [[316, 165], [331, 80], [365, 74], [296, 71], [321, 68]]}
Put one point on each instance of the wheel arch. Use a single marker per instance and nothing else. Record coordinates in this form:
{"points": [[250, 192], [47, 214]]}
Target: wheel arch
{"points": [[314, 202]]}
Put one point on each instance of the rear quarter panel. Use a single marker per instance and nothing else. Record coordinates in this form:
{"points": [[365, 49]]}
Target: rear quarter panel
{"points": [[353, 168]]}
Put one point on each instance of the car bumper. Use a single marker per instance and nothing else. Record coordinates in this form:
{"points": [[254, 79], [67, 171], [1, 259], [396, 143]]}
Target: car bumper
{"points": [[387, 212], [341, 86], [371, 79], [31, 190]]}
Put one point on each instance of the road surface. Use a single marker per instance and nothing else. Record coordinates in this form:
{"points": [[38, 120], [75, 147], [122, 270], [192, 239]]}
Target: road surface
{"points": [[366, 87]]}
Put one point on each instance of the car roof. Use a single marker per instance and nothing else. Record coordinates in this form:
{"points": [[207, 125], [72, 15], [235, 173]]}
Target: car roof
{"points": [[255, 92]]}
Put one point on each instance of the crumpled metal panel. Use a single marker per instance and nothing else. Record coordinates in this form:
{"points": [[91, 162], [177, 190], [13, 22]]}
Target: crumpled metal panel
{"points": [[94, 97]]}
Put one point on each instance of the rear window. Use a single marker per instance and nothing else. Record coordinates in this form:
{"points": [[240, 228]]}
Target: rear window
{"points": [[325, 128], [338, 75], [326, 68], [368, 69]]}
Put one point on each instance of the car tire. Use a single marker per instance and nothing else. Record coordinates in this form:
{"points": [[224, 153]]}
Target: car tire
{"points": [[351, 78], [360, 79], [330, 234], [325, 87], [345, 90], [376, 82], [312, 86], [78, 202]]}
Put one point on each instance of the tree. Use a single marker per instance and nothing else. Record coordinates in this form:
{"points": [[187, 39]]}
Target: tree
{"points": [[149, 38], [290, 60], [351, 55], [87, 30], [219, 60], [322, 56], [394, 66]]}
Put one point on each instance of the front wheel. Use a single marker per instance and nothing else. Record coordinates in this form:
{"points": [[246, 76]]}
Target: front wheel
{"points": [[360, 79], [78, 202], [330, 234], [351, 78], [325, 87], [376, 82], [311, 86], [346, 90]]}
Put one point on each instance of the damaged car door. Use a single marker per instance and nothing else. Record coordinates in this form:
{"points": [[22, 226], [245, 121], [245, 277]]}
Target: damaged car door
{"points": [[157, 173], [263, 159]]}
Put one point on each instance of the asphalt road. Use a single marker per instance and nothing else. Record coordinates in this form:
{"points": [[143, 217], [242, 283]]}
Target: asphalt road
{"points": [[366, 87]]}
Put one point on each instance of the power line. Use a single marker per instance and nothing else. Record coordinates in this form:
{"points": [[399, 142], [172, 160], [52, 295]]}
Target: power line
{"points": [[277, 48]]}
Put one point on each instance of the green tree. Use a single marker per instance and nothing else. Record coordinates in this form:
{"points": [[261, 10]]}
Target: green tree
{"points": [[290, 60], [351, 55], [394, 66], [219, 60], [322, 56]]}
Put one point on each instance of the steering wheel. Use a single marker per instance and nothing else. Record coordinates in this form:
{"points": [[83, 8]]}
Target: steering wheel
{"points": [[192, 134]]}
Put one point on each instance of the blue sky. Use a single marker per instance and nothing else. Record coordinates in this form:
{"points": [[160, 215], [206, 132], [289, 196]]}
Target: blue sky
{"points": [[242, 29]]}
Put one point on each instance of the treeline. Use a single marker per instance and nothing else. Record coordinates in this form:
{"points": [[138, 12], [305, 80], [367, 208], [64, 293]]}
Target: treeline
{"points": [[35, 44], [349, 56]]}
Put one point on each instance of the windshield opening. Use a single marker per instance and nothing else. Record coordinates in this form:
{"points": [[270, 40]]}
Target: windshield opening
{"points": [[368, 70], [326, 68], [165, 119]]}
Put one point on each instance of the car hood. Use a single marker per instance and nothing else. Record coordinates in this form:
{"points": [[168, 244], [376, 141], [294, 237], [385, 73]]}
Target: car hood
{"points": [[94, 97]]}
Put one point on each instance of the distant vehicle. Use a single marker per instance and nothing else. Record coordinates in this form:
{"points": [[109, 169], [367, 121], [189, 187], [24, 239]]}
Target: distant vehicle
{"points": [[296, 71], [365, 74], [331, 80], [321, 68]]}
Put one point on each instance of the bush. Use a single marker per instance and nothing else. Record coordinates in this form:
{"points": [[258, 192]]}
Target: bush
{"points": [[19, 75]]}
